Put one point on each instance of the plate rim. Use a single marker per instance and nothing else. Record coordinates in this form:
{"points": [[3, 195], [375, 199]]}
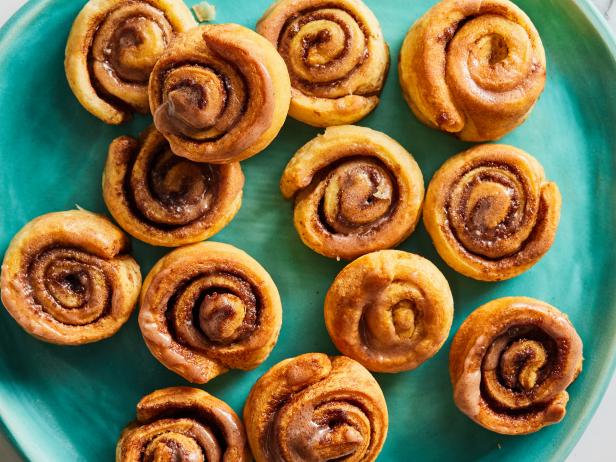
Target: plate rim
{"points": [[606, 370]]}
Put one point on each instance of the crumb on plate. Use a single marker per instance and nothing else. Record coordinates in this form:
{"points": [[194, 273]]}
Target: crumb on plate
{"points": [[204, 11]]}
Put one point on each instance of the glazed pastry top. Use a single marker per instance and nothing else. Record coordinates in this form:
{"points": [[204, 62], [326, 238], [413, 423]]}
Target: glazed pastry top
{"points": [[164, 199], [67, 278], [209, 307], [389, 310], [316, 408], [511, 363], [219, 93], [336, 56], [112, 49], [356, 190]]}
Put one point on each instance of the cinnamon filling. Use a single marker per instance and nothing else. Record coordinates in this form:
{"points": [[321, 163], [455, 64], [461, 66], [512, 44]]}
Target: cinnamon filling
{"points": [[200, 102], [323, 48], [71, 286], [124, 50], [185, 435], [518, 368], [218, 308], [167, 191], [490, 211], [216, 105], [321, 432], [357, 195]]}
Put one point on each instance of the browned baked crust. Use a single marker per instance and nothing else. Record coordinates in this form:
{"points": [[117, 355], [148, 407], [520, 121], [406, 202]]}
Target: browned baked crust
{"points": [[220, 93], [209, 307], [166, 200], [491, 213], [336, 56], [67, 278], [356, 190], [183, 424], [112, 49], [511, 363], [318, 408], [473, 68], [389, 310]]}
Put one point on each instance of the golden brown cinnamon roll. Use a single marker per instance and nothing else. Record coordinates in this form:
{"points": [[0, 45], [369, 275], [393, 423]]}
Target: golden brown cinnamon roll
{"points": [[67, 278], [491, 213], [207, 308], [336, 56], [183, 424], [511, 363], [356, 190], [316, 408], [389, 310], [164, 199], [112, 48], [219, 93], [474, 68]]}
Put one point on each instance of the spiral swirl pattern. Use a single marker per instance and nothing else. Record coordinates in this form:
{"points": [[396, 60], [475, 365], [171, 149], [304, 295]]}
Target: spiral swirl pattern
{"points": [[209, 307], [389, 310], [67, 278], [356, 190], [474, 68], [219, 93], [490, 212], [511, 363], [336, 56], [167, 200], [112, 49], [316, 408], [183, 424]]}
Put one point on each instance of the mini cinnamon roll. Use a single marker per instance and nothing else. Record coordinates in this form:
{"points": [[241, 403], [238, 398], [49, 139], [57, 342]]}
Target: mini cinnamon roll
{"points": [[511, 363], [491, 213], [389, 310], [166, 200], [316, 408], [336, 56], [207, 308], [356, 190], [183, 424], [112, 48], [473, 68], [219, 93], [67, 278]]}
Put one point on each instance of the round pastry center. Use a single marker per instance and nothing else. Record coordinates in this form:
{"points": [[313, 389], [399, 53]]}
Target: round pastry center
{"points": [[521, 364], [221, 316], [68, 284], [494, 48], [337, 431], [196, 104], [322, 47], [199, 102], [71, 286], [520, 367], [135, 47], [326, 44], [358, 193], [171, 190], [182, 181], [488, 206], [339, 441], [403, 317], [499, 52], [173, 447], [492, 210]]}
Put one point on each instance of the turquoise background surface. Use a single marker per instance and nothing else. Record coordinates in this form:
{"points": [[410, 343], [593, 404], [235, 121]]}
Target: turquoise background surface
{"points": [[70, 403]]}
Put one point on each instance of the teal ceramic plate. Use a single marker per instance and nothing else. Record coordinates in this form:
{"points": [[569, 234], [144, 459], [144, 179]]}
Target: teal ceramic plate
{"points": [[70, 403]]}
